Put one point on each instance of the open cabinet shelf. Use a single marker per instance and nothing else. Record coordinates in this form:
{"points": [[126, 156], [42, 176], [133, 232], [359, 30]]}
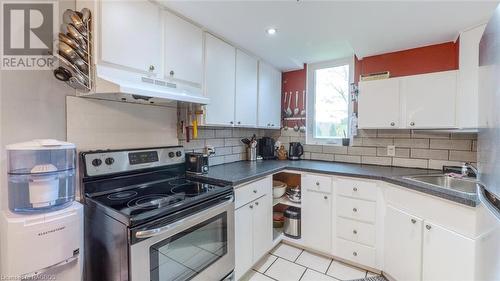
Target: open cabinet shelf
{"points": [[282, 203], [285, 201]]}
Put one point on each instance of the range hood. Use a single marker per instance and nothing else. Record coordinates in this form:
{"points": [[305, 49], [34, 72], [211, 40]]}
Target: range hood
{"points": [[120, 85]]}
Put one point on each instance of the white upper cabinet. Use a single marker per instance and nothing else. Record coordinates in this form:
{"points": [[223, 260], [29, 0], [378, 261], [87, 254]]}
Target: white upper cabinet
{"points": [[430, 100], [269, 102], [220, 61], [246, 90], [379, 104], [131, 35], [183, 50], [425, 101], [468, 61]]}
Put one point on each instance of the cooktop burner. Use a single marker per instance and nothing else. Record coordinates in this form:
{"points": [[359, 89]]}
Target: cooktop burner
{"points": [[122, 195], [153, 201], [147, 199]]}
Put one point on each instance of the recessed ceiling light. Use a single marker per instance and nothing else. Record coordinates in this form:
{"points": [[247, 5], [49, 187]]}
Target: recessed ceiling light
{"points": [[271, 31]]}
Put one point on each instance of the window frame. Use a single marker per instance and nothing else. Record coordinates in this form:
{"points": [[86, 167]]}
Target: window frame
{"points": [[311, 98]]}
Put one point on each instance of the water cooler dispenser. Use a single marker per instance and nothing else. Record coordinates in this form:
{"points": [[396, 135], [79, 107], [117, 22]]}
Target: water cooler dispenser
{"points": [[42, 229]]}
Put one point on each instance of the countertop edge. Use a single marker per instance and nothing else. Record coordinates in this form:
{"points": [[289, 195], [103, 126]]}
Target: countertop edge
{"points": [[471, 201]]}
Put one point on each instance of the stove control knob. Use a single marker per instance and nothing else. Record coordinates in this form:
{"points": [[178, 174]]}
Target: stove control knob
{"points": [[96, 162], [109, 161], [171, 154], [178, 153]]}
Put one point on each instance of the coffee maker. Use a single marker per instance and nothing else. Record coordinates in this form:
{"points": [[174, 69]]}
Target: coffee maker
{"points": [[266, 148], [295, 151]]}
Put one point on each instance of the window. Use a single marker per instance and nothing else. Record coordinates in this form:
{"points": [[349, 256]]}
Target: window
{"points": [[328, 99]]}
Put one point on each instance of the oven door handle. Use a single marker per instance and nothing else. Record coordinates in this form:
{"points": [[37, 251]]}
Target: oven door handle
{"points": [[160, 230]]}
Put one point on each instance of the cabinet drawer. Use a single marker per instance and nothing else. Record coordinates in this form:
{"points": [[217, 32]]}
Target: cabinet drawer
{"points": [[251, 191], [356, 231], [317, 183], [357, 253], [357, 189], [356, 209]]}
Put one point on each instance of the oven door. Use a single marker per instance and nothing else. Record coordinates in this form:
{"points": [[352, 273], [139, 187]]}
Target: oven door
{"points": [[198, 247]]}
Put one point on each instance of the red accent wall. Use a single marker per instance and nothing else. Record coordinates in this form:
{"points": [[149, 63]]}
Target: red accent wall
{"points": [[433, 58], [293, 82]]}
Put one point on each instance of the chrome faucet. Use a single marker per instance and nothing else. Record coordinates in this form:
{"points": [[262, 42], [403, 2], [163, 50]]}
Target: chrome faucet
{"points": [[465, 169]]}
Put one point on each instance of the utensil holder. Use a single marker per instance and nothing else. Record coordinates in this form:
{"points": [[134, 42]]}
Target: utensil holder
{"points": [[65, 64]]}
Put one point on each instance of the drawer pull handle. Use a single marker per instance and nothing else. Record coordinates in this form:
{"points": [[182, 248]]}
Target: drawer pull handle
{"points": [[355, 231], [354, 189], [251, 206], [355, 254], [255, 191], [326, 197], [256, 203], [413, 221], [354, 209], [317, 183], [428, 227]]}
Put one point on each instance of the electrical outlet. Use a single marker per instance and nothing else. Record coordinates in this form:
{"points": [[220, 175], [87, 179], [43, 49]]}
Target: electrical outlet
{"points": [[391, 150]]}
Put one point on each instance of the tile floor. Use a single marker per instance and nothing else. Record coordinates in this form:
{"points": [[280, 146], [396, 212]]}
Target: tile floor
{"points": [[287, 263]]}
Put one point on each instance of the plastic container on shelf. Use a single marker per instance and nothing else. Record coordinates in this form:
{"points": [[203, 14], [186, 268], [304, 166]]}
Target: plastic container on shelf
{"points": [[41, 175]]}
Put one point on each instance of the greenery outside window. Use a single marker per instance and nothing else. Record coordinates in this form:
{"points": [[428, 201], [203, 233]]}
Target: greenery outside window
{"points": [[328, 101]]}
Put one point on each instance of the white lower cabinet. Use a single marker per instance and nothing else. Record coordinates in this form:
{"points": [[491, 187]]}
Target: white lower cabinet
{"points": [[253, 225], [262, 226], [243, 231], [447, 255], [357, 221], [409, 235], [317, 220], [403, 245], [416, 249]]}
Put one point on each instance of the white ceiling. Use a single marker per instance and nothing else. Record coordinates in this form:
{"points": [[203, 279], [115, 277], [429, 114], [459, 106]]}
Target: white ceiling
{"points": [[311, 31]]}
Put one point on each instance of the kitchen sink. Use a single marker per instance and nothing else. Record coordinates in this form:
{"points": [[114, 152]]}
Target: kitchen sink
{"points": [[464, 185]]}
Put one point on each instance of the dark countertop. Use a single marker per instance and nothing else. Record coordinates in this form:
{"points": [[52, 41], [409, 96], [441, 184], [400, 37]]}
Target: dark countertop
{"points": [[244, 171]]}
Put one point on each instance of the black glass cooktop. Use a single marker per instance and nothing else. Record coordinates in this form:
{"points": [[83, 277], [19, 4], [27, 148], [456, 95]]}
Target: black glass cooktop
{"points": [[148, 200]]}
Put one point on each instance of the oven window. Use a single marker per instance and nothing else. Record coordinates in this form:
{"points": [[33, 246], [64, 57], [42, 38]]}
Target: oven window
{"points": [[187, 253]]}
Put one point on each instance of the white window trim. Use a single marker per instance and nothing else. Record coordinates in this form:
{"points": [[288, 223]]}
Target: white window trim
{"points": [[311, 68]]}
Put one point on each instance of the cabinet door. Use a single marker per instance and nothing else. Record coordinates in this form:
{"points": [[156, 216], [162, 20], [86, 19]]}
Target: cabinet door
{"points": [[246, 90], [379, 104], [269, 103], [183, 49], [220, 59], [317, 220], [262, 226], [446, 255], [402, 247], [243, 234], [430, 100], [131, 35], [468, 89]]}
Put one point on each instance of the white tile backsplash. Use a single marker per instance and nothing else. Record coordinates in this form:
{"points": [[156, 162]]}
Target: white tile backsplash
{"points": [[416, 149]]}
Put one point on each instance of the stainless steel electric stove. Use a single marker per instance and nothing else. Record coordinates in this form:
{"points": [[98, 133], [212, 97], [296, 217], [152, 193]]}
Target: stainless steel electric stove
{"points": [[146, 220]]}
